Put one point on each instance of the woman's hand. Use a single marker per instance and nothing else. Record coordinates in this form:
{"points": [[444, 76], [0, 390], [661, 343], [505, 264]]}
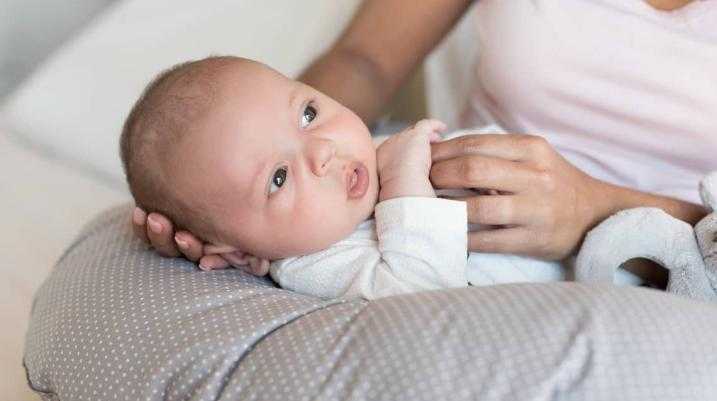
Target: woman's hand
{"points": [[158, 231], [544, 206]]}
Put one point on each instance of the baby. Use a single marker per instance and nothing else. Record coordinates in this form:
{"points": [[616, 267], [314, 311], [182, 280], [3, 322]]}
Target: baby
{"points": [[259, 164]]}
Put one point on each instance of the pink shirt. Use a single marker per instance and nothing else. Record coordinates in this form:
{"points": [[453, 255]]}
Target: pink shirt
{"points": [[625, 92]]}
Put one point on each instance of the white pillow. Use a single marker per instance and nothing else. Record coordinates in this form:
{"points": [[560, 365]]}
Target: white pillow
{"points": [[74, 105]]}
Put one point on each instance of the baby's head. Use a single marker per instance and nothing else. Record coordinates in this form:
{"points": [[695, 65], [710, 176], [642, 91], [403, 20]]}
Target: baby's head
{"points": [[248, 159]]}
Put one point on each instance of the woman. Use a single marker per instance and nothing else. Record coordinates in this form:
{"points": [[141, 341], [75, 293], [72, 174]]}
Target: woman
{"points": [[622, 89]]}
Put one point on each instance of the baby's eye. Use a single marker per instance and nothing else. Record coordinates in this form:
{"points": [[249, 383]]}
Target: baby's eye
{"points": [[278, 179], [308, 116]]}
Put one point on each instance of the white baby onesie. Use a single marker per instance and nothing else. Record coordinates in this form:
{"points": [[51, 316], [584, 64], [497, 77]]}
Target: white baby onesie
{"points": [[412, 244]]}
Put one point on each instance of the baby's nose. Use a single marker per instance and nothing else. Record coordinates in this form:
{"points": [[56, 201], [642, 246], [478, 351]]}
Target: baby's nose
{"points": [[321, 153]]}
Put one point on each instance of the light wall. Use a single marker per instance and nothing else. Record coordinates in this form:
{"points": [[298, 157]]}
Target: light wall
{"points": [[31, 29]]}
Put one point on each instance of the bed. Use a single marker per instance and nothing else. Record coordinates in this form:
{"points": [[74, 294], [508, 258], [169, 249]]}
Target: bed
{"points": [[111, 319]]}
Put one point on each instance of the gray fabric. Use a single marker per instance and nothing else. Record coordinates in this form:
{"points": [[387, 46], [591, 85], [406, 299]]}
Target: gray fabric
{"points": [[706, 232], [650, 233], [646, 232], [116, 321]]}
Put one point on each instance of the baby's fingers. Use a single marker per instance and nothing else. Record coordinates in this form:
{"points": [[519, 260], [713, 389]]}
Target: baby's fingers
{"points": [[434, 137], [430, 125]]}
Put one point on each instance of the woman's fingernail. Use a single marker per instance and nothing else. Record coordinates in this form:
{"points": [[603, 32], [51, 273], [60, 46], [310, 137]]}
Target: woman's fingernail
{"points": [[154, 225], [204, 267], [181, 242], [138, 216]]}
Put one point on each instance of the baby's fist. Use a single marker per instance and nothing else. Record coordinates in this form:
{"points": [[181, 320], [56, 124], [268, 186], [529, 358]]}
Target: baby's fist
{"points": [[404, 160], [411, 145]]}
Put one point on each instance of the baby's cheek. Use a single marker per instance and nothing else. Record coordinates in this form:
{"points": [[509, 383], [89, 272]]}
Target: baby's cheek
{"points": [[328, 221]]}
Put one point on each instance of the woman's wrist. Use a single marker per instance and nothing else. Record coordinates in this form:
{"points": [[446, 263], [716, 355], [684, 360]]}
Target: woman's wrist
{"points": [[611, 199], [603, 201]]}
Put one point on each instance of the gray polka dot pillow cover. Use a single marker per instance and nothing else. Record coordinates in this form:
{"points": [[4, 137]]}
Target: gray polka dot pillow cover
{"points": [[115, 321]]}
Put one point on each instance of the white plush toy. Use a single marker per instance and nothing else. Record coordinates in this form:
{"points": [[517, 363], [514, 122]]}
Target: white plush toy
{"points": [[690, 254]]}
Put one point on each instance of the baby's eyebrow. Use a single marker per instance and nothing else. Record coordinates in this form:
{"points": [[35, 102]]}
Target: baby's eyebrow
{"points": [[293, 96]]}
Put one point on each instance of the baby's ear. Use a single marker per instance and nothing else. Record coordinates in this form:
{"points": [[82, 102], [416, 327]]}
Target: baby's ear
{"points": [[231, 254], [242, 260]]}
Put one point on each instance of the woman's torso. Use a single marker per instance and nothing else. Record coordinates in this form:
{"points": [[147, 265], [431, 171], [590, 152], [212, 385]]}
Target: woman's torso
{"points": [[625, 92]]}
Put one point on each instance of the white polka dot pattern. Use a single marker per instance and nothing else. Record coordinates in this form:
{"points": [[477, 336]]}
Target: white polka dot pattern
{"points": [[115, 321]]}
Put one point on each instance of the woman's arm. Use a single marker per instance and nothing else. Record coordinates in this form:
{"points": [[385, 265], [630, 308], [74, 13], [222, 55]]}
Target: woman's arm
{"points": [[383, 44], [618, 198]]}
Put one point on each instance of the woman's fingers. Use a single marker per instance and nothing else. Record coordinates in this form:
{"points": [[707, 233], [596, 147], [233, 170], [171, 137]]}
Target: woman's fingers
{"points": [[516, 240], [210, 248], [189, 245], [259, 267], [212, 262], [156, 230], [139, 220], [474, 171], [161, 235], [516, 147], [236, 259], [497, 210]]}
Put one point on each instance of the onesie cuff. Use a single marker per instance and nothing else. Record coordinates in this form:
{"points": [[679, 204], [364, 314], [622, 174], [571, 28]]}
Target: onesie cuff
{"points": [[422, 213]]}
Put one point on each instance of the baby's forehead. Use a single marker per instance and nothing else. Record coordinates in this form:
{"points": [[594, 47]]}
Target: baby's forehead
{"points": [[250, 114], [250, 74], [256, 98]]}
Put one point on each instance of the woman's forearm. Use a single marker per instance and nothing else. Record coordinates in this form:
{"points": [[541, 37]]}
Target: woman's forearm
{"points": [[352, 80], [613, 198], [383, 44]]}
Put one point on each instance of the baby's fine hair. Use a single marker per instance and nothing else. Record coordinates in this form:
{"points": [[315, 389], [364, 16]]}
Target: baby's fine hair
{"points": [[162, 116]]}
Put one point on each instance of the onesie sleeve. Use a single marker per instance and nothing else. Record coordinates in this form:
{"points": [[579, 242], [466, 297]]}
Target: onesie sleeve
{"points": [[420, 244]]}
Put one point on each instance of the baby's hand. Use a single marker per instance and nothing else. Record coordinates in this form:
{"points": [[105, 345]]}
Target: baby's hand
{"points": [[404, 161]]}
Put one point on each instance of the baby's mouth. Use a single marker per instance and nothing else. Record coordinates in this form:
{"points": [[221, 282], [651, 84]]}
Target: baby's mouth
{"points": [[357, 180]]}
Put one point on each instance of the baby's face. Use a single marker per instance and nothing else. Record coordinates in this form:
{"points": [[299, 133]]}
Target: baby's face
{"points": [[288, 171]]}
